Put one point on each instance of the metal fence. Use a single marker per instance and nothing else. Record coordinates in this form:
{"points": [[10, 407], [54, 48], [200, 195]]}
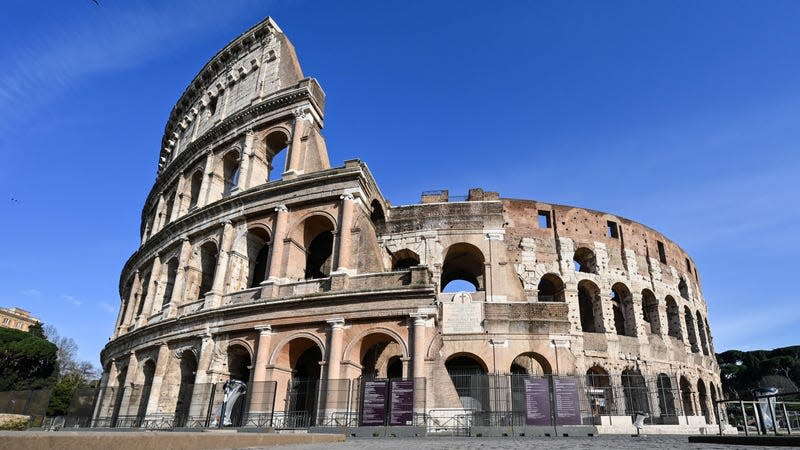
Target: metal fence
{"points": [[772, 414], [29, 403]]}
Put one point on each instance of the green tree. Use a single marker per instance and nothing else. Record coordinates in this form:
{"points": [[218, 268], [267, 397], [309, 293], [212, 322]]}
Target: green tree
{"points": [[27, 361]]}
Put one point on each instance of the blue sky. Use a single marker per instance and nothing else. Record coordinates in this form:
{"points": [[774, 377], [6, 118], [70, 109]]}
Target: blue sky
{"points": [[680, 115]]}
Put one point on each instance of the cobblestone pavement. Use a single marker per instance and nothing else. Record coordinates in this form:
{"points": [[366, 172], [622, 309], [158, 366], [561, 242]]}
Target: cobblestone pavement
{"points": [[464, 443]]}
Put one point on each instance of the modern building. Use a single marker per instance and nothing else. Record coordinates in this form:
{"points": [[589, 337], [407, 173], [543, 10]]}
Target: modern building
{"points": [[260, 262]]}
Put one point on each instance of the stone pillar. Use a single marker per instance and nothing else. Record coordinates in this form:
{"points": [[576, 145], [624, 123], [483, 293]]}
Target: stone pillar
{"points": [[102, 396], [276, 255], [244, 166], [130, 380], [260, 397], [204, 359], [127, 321], [176, 206], [158, 222], [302, 119], [418, 341], [180, 278], [158, 377], [147, 307], [123, 307], [205, 185], [335, 348], [214, 298], [345, 235]]}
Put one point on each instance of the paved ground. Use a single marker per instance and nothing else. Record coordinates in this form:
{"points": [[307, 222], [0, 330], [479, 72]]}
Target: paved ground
{"points": [[464, 443]]}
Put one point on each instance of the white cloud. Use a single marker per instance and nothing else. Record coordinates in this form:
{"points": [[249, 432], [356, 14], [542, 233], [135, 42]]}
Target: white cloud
{"points": [[106, 307], [71, 300], [35, 293]]}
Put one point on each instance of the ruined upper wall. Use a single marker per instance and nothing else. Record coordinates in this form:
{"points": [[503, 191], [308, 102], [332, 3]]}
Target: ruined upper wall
{"points": [[252, 67]]}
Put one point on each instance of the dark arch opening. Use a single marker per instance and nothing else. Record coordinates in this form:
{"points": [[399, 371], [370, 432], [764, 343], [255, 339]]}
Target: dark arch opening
{"points": [[666, 398], [172, 273], [701, 331], [377, 216], [687, 313], [585, 260], [258, 249], [403, 259], [188, 368], [551, 288], [471, 381], [118, 394], [590, 307], [230, 172], [686, 397], [601, 395], [702, 395], [463, 262], [208, 266], [683, 288], [636, 394], [148, 371], [318, 234], [673, 318], [194, 191], [304, 386], [622, 305], [650, 311], [395, 368]]}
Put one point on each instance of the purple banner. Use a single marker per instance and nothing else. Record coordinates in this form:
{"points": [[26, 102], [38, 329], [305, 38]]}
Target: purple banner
{"points": [[568, 411], [402, 403], [537, 401], [373, 403]]}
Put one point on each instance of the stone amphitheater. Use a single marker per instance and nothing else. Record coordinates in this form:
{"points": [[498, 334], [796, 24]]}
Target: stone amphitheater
{"points": [[260, 262]]}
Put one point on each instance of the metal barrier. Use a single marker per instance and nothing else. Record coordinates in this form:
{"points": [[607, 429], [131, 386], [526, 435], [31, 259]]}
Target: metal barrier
{"points": [[31, 403], [749, 416]]}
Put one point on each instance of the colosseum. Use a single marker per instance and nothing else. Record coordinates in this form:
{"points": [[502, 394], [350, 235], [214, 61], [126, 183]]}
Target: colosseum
{"points": [[260, 262]]}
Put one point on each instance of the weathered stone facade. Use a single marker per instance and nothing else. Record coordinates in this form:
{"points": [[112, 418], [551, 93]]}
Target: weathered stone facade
{"points": [[266, 273]]}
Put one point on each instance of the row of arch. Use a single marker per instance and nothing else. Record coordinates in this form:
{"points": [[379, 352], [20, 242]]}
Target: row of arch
{"points": [[218, 176]]}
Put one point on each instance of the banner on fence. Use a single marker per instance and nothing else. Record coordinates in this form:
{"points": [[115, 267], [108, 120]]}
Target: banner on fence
{"points": [[402, 403], [565, 394], [537, 401], [373, 406]]}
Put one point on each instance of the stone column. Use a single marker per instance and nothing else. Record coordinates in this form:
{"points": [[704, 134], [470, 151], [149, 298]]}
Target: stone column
{"points": [[276, 255], [147, 307], [204, 359], [162, 361], [102, 396], [302, 118], [123, 307], [244, 166], [260, 397], [345, 236], [180, 278], [205, 185], [127, 321], [214, 298], [158, 222], [418, 342], [335, 398], [176, 207], [130, 380]]}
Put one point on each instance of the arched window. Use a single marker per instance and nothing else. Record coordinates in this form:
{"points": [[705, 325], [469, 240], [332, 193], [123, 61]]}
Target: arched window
{"points": [[170, 204], [673, 318], [403, 259], [650, 311], [194, 191], [208, 266], [258, 249], [377, 216], [275, 144], [683, 288], [463, 262], [172, 273], [701, 332], [635, 390], [318, 236], [666, 398], [148, 371], [145, 286], [686, 397], [600, 392], [188, 370], [230, 172], [470, 379], [622, 305], [690, 329], [585, 260], [551, 288], [702, 398], [590, 306]]}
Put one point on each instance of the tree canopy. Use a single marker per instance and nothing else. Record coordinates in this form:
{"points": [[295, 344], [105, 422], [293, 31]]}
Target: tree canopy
{"points": [[27, 361], [745, 370]]}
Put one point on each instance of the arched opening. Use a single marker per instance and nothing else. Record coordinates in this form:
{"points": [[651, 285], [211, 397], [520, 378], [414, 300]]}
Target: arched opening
{"points": [[708, 334], [395, 368], [169, 206], [551, 288], [194, 190], [650, 311], [377, 216], [144, 286], [239, 365], [622, 305], [275, 144], [701, 331], [471, 381], [531, 363], [230, 172], [463, 262], [687, 313], [188, 369], [635, 390], [715, 408], [686, 397], [590, 306], [375, 352], [666, 398], [208, 267], [683, 288], [702, 396], [258, 249], [148, 371], [403, 259], [305, 358], [673, 318], [318, 238], [601, 395], [172, 273], [118, 395], [585, 260]]}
